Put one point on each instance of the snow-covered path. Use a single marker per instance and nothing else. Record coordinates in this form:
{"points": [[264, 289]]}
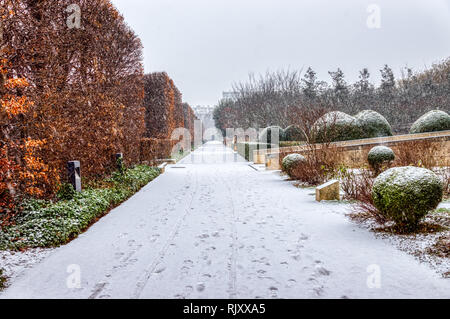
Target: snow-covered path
{"points": [[211, 227]]}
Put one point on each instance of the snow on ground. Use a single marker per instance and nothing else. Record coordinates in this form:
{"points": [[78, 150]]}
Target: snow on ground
{"points": [[15, 263], [211, 227]]}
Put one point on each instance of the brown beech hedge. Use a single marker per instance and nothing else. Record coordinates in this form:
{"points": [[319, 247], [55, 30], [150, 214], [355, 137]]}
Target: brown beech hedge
{"points": [[86, 83], [75, 91], [164, 107]]}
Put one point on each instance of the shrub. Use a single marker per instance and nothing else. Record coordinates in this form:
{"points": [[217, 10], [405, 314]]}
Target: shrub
{"points": [[319, 165], [433, 121], [292, 160], [2, 279], [373, 124], [406, 194], [357, 185], [420, 153], [54, 224], [66, 192], [380, 155], [336, 126], [266, 135], [294, 133]]}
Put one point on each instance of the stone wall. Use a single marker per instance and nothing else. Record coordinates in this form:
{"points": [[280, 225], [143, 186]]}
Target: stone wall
{"points": [[354, 153]]}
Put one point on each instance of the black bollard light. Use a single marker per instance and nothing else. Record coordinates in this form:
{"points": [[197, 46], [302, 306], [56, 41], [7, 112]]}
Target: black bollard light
{"points": [[74, 175], [119, 161]]}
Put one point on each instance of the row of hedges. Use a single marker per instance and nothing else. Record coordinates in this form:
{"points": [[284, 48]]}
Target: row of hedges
{"points": [[76, 93], [164, 109], [333, 126], [338, 126], [67, 93]]}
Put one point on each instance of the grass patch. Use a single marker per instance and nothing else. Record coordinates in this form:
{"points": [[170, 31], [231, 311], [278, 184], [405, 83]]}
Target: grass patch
{"points": [[48, 224]]}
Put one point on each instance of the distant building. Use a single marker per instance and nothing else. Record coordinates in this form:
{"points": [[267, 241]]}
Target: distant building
{"points": [[205, 114]]}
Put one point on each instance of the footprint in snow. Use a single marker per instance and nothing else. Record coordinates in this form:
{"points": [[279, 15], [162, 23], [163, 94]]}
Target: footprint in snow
{"points": [[201, 287], [188, 262], [322, 271], [291, 282], [160, 270], [304, 237]]}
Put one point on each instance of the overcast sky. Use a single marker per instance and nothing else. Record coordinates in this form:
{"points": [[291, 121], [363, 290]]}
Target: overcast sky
{"points": [[205, 45]]}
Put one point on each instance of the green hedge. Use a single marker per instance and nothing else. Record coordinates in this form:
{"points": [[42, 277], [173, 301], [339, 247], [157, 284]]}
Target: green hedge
{"points": [[48, 224], [406, 195], [246, 149], [336, 126], [266, 135], [373, 124], [294, 133], [380, 155], [433, 121], [291, 161]]}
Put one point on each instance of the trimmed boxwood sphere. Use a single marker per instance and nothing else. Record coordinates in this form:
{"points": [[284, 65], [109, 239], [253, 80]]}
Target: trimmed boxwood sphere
{"points": [[290, 161], [373, 124], [379, 155], [433, 121], [293, 133], [266, 135], [336, 126], [405, 195]]}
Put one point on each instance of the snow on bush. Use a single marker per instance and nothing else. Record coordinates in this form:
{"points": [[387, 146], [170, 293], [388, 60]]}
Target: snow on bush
{"points": [[290, 161], [336, 126], [373, 124], [380, 155], [433, 121], [293, 133], [266, 135], [405, 195]]}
